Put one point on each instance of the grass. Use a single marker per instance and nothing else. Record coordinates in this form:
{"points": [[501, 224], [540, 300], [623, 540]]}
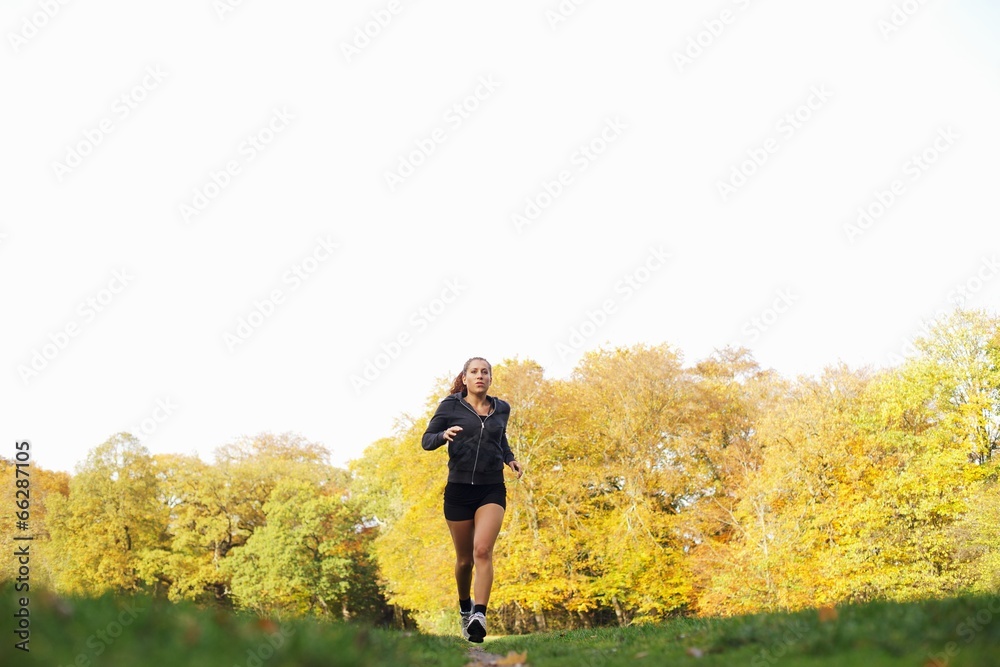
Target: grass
{"points": [[110, 631], [960, 632], [142, 632]]}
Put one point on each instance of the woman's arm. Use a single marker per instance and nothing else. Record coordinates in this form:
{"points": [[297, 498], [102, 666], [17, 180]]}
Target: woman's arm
{"points": [[434, 435], [508, 455]]}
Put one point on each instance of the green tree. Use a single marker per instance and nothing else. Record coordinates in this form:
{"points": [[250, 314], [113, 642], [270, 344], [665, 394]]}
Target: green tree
{"points": [[204, 525], [938, 434], [300, 560], [217, 507]]}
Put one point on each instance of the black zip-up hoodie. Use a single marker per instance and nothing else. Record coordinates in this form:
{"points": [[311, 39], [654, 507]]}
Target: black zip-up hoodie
{"points": [[478, 453]]}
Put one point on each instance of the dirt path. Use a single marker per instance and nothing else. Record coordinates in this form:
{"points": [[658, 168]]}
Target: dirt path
{"points": [[480, 658]]}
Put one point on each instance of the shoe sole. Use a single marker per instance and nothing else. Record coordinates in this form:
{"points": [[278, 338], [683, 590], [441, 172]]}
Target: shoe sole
{"points": [[476, 632]]}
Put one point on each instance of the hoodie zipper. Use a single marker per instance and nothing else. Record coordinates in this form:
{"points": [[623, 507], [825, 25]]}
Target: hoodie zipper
{"points": [[482, 429]]}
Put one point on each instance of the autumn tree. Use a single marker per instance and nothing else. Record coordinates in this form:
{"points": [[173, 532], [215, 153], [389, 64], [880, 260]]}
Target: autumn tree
{"points": [[787, 518], [536, 552], [868, 482], [111, 522], [43, 487], [399, 487]]}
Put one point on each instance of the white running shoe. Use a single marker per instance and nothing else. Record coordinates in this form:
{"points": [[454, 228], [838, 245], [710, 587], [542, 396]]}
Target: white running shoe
{"points": [[466, 617], [477, 627]]}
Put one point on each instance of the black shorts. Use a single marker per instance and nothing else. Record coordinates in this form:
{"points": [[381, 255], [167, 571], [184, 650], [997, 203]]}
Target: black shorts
{"points": [[462, 500]]}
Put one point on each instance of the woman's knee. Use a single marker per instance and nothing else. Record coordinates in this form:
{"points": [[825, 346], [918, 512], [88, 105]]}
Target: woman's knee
{"points": [[482, 552], [464, 562]]}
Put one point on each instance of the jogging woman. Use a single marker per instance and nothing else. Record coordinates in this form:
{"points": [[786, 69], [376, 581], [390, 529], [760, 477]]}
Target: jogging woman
{"points": [[474, 426]]}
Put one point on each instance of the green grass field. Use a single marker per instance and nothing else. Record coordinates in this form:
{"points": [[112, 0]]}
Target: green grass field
{"points": [[864, 636], [107, 631], [140, 632]]}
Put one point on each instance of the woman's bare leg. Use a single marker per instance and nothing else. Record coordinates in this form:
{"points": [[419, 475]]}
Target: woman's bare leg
{"points": [[462, 534], [487, 528]]}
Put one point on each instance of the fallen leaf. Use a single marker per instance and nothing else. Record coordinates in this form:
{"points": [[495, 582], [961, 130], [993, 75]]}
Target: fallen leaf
{"points": [[695, 652], [827, 613], [513, 659]]}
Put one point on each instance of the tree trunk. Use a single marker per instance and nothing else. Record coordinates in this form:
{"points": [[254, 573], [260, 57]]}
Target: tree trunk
{"points": [[540, 618], [619, 612]]}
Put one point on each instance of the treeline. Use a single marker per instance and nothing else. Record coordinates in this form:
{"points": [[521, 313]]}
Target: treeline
{"points": [[653, 488], [270, 526]]}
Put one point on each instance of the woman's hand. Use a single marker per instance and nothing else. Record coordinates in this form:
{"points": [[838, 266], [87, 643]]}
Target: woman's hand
{"points": [[449, 434], [516, 467]]}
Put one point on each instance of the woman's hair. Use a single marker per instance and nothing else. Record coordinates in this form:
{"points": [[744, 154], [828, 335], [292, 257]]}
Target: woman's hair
{"points": [[457, 385]]}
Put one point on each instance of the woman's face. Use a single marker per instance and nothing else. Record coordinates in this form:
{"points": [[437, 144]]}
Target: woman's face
{"points": [[477, 376]]}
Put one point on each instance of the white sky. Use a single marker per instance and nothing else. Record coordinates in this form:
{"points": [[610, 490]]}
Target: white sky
{"points": [[678, 131]]}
